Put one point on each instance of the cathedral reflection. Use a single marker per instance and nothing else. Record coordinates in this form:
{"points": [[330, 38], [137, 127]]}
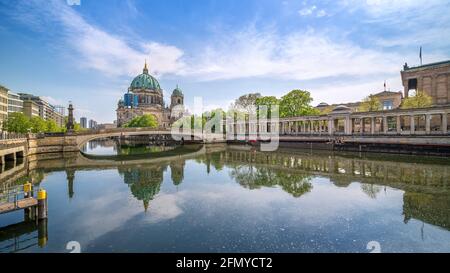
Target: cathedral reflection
{"points": [[144, 182]]}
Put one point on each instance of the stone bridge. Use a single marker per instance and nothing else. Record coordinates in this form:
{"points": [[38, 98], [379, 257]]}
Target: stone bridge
{"points": [[31, 144]]}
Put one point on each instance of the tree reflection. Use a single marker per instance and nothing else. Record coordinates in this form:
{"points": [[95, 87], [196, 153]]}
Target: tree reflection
{"points": [[252, 177], [371, 190]]}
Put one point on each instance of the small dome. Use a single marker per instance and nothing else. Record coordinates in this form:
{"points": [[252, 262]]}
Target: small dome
{"points": [[323, 104], [177, 92]]}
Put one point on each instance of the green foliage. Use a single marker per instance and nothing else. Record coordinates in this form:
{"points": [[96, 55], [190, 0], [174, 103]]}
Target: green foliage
{"points": [[297, 103], [246, 102], [19, 123], [37, 125], [147, 120], [51, 126], [268, 101], [420, 100], [370, 103], [76, 126]]}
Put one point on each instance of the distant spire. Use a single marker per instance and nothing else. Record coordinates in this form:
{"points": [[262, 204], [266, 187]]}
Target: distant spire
{"points": [[384, 85], [145, 67]]}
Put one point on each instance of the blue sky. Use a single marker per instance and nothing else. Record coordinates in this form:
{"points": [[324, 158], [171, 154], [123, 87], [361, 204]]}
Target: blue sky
{"points": [[340, 51]]}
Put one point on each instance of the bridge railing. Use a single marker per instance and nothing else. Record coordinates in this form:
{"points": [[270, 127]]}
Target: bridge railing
{"points": [[9, 135]]}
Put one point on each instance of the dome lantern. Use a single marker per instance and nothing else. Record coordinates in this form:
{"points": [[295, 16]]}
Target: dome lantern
{"points": [[145, 70]]}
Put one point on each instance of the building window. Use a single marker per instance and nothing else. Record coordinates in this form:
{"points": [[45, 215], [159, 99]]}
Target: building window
{"points": [[387, 105]]}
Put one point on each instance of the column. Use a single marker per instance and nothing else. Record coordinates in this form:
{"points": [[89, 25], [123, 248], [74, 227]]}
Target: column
{"points": [[330, 126], [399, 125], [385, 125], [427, 124], [362, 124], [348, 125], [413, 127], [372, 125], [444, 123]]}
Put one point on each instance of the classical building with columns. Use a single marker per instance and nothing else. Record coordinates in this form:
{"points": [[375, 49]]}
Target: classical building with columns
{"points": [[145, 96], [433, 79]]}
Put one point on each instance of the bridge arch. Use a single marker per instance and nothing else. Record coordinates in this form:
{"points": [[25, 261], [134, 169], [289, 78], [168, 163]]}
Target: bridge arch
{"points": [[84, 138]]}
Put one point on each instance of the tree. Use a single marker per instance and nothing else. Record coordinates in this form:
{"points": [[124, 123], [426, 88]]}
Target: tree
{"points": [[268, 101], [51, 126], [147, 120], [420, 100], [370, 103], [247, 102], [17, 123], [297, 103], [37, 125]]}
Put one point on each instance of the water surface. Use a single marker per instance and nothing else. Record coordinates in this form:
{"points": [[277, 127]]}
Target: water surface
{"points": [[234, 199]]}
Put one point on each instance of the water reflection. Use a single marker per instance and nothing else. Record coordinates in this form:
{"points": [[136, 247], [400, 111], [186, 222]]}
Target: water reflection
{"points": [[144, 182], [421, 189], [131, 145]]}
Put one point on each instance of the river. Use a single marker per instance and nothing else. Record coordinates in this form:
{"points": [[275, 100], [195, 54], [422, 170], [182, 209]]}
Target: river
{"points": [[220, 198]]}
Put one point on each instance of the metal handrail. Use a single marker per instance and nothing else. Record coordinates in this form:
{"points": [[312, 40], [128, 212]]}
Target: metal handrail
{"points": [[16, 194]]}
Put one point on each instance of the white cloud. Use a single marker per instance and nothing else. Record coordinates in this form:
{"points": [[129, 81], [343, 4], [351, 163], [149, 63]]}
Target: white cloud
{"points": [[97, 49], [298, 56], [353, 91], [53, 101], [307, 11], [321, 13]]}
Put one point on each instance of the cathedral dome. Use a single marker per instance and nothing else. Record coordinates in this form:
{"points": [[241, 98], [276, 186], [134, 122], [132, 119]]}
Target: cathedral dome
{"points": [[177, 92], [145, 81]]}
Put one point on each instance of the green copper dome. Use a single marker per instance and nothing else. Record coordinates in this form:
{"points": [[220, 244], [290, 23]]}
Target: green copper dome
{"points": [[145, 81], [177, 92]]}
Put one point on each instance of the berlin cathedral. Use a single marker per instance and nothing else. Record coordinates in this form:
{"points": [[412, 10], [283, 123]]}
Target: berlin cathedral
{"points": [[145, 96]]}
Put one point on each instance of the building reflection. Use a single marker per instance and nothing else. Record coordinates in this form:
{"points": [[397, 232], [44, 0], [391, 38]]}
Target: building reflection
{"points": [[24, 235], [70, 173], [144, 181], [177, 171], [426, 186]]}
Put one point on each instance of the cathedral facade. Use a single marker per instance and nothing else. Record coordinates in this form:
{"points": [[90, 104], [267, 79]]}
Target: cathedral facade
{"points": [[145, 96]]}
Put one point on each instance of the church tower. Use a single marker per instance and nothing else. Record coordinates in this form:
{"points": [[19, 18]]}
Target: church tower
{"points": [[176, 99]]}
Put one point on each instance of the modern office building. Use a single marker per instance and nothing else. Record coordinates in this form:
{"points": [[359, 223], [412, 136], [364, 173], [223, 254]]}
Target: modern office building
{"points": [[56, 116], [83, 122], [92, 124], [30, 108], [15, 104], [45, 110], [3, 104]]}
